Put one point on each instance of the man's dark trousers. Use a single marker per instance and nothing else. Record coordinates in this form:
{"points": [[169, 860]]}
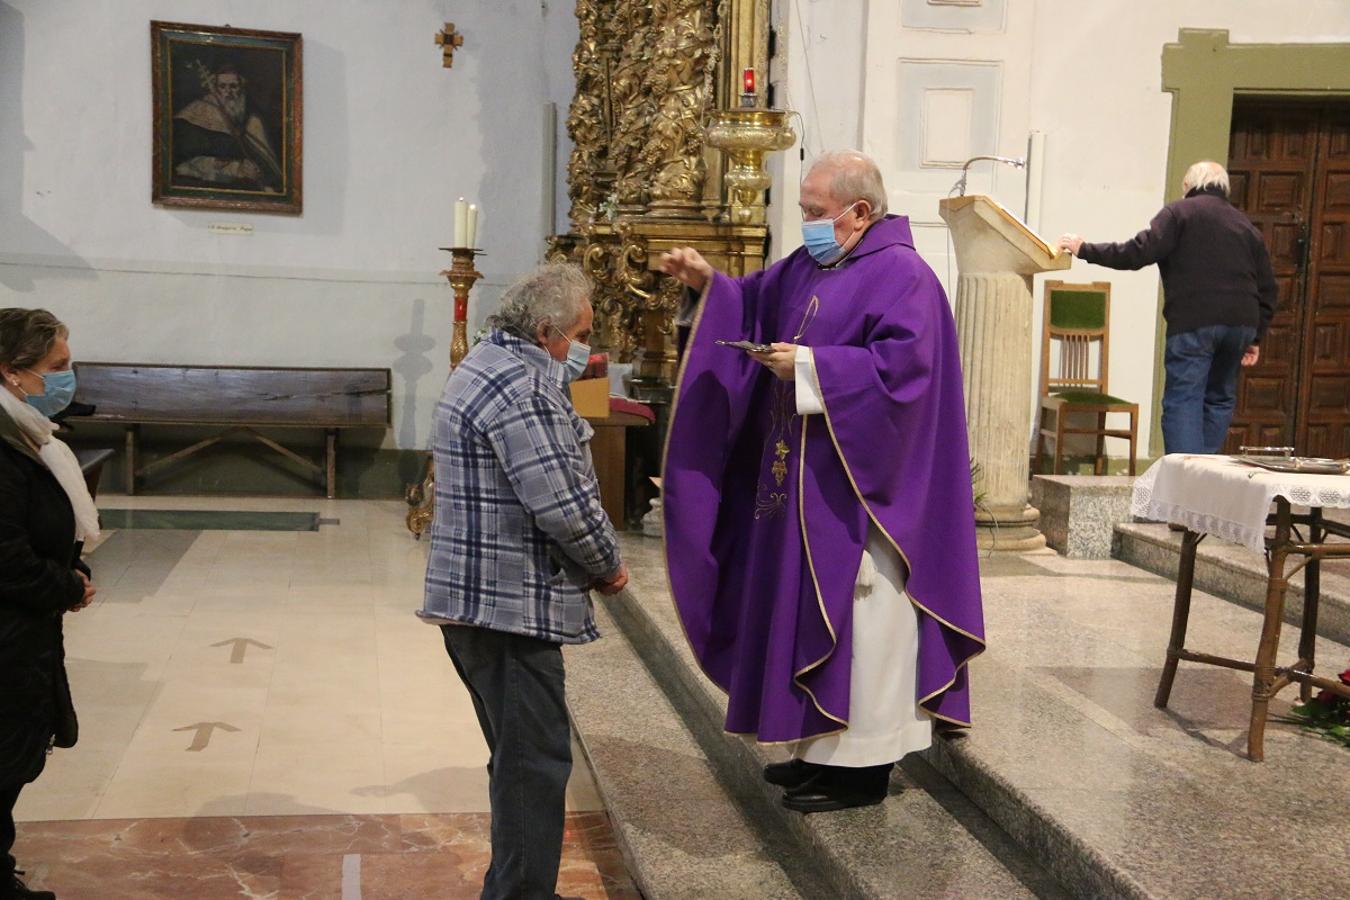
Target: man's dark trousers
{"points": [[516, 683]]}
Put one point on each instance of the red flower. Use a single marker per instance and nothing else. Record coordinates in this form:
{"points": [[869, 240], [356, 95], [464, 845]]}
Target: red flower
{"points": [[1345, 677]]}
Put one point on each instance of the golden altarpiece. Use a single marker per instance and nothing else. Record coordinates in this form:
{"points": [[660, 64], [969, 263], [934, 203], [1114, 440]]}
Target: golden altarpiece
{"points": [[668, 151], [669, 143]]}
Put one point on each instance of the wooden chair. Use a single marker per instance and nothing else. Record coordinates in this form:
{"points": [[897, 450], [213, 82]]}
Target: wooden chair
{"points": [[1076, 317]]}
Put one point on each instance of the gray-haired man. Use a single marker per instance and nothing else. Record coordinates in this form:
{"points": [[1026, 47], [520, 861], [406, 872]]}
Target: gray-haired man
{"points": [[1219, 295], [518, 542]]}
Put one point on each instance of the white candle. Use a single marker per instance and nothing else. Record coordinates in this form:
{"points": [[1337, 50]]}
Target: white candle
{"points": [[461, 223], [472, 229]]}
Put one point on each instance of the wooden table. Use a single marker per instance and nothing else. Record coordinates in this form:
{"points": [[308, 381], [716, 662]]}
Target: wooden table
{"points": [[610, 456], [1218, 481]]}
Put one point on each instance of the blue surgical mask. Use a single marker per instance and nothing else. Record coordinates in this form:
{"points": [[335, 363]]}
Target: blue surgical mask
{"points": [[818, 236], [58, 389], [578, 357]]}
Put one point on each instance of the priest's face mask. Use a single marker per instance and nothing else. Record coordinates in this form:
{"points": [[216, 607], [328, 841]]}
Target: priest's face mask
{"points": [[818, 203]]}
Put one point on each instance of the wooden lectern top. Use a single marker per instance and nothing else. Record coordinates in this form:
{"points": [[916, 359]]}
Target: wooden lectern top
{"points": [[989, 238]]}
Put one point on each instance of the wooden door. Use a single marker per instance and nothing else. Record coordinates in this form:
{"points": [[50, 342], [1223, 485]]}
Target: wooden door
{"points": [[1323, 420], [1289, 163]]}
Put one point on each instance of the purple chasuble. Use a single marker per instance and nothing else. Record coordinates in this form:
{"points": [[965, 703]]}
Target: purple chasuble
{"points": [[767, 512]]}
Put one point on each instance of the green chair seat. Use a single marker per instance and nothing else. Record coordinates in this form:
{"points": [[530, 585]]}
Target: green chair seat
{"points": [[1091, 397]]}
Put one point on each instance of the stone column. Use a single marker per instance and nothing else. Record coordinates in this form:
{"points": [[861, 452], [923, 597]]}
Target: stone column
{"points": [[993, 320]]}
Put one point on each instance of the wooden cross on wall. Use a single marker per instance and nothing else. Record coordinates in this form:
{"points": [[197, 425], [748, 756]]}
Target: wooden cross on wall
{"points": [[448, 39]]}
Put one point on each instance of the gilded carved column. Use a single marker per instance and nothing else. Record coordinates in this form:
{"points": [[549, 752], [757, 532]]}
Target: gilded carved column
{"points": [[683, 65], [588, 116], [650, 76]]}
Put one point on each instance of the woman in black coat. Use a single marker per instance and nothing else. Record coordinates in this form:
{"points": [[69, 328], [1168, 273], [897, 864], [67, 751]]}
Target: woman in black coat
{"points": [[44, 508]]}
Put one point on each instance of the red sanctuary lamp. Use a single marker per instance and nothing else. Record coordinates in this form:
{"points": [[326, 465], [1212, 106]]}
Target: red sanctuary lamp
{"points": [[745, 133]]}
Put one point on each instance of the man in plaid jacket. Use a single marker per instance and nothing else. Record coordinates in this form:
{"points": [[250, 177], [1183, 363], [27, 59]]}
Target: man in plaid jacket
{"points": [[518, 542]]}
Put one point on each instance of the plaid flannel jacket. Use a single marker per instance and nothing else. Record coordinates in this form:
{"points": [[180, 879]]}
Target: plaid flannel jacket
{"points": [[519, 533]]}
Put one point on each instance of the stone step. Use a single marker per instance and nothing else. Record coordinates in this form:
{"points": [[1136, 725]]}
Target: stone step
{"points": [[683, 833], [1237, 574], [927, 840]]}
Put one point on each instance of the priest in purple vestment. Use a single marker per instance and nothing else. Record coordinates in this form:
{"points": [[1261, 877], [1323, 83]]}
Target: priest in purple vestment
{"points": [[820, 531]]}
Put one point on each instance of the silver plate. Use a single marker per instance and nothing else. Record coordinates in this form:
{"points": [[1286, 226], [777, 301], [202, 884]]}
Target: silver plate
{"points": [[1302, 465]]}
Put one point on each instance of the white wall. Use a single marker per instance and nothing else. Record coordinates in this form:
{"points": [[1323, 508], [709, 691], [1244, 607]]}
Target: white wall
{"points": [[1088, 75], [390, 139], [819, 73]]}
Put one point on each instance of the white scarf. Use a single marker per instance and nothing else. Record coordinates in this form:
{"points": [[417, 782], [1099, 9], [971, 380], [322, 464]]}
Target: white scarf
{"points": [[59, 459]]}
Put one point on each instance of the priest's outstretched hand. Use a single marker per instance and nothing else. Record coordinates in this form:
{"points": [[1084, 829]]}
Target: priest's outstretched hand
{"points": [[687, 266], [781, 360]]}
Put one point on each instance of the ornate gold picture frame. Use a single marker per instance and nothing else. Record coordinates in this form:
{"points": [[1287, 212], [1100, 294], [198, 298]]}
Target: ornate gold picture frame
{"points": [[227, 128]]}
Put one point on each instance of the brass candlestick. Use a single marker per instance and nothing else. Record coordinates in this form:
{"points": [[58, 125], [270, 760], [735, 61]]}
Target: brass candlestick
{"points": [[421, 496], [462, 276], [746, 135]]}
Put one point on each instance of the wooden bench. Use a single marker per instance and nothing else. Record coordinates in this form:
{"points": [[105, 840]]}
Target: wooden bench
{"points": [[237, 400]]}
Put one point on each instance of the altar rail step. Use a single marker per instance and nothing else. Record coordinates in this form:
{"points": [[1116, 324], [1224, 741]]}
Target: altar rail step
{"points": [[683, 831], [926, 841]]}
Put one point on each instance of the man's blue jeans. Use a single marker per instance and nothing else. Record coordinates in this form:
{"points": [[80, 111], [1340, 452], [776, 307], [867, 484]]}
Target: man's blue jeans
{"points": [[1201, 389]]}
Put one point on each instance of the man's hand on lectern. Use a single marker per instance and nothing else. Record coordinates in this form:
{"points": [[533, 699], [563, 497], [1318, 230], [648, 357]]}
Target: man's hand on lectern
{"points": [[687, 266], [1069, 242]]}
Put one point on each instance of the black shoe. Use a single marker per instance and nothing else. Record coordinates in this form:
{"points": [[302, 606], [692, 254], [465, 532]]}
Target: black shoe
{"points": [[834, 788], [791, 774], [21, 891]]}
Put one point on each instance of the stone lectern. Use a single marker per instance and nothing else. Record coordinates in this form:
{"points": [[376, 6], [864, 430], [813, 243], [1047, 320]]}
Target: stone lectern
{"points": [[997, 255]]}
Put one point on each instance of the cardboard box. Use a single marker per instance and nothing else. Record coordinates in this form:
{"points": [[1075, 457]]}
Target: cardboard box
{"points": [[590, 397]]}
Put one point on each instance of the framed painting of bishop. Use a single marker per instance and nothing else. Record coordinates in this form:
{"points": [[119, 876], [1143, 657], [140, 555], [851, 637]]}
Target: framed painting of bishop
{"points": [[227, 128]]}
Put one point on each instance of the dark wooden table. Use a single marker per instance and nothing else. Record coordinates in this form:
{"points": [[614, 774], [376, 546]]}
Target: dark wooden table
{"points": [[609, 454]]}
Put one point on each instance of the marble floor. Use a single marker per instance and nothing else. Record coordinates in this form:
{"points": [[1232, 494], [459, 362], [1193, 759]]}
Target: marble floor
{"points": [[263, 716], [1070, 757], [1166, 797]]}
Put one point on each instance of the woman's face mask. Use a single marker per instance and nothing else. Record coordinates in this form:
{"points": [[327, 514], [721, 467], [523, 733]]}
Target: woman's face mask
{"points": [[58, 389], [49, 384]]}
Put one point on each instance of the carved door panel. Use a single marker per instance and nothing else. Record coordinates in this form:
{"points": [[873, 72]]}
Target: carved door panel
{"points": [[1290, 168], [1324, 402]]}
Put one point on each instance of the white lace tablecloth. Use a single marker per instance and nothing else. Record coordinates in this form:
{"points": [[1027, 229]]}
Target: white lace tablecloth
{"points": [[1220, 496]]}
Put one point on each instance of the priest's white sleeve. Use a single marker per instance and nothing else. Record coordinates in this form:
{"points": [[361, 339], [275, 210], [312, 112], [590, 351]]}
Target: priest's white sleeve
{"points": [[809, 400]]}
